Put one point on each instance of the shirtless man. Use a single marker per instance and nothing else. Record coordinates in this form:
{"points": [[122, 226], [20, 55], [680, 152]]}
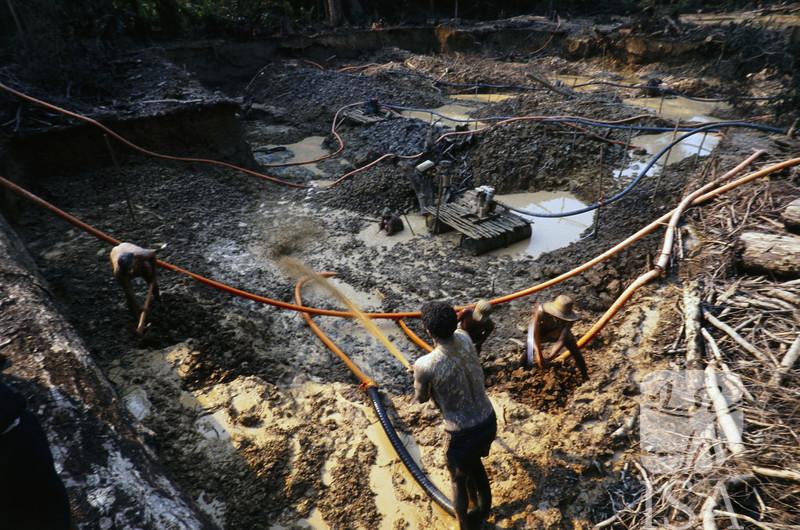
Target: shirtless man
{"points": [[552, 321], [390, 223], [129, 261], [451, 375], [477, 322]]}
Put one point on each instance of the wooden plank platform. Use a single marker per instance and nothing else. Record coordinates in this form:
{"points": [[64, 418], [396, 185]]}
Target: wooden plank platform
{"points": [[480, 235]]}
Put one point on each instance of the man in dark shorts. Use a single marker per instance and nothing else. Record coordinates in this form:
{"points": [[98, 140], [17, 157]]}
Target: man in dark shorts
{"points": [[452, 376], [477, 323], [552, 321], [32, 495]]}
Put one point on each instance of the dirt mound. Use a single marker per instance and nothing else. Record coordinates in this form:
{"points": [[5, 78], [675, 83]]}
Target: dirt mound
{"points": [[312, 95]]}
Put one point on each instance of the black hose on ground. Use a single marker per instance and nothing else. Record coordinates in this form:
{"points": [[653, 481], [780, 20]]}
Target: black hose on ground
{"points": [[433, 492]]}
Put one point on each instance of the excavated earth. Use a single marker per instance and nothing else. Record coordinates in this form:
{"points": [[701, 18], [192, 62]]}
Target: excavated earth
{"points": [[252, 417]]}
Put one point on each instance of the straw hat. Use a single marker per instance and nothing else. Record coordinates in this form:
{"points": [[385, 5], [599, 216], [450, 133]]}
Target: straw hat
{"points": [[561, 307], [482, 308]]}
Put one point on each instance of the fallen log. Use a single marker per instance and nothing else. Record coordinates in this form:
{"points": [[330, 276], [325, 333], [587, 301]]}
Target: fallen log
{"points": [[777, 254], [791, 216]]}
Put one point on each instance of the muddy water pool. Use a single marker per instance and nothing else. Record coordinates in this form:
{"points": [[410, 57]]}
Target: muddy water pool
{"points": [[548, 234], [699, 144], [678, 108], [306, 149]]}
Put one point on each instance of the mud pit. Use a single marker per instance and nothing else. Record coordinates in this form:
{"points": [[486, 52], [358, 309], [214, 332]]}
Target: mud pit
{"points": [[254, 418]]}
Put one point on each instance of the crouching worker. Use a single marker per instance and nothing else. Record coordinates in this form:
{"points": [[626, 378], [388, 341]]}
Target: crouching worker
{"points": [[452, 376], [552, 321], [31, 492], [477, 323], [129, 261], [390, 222]]}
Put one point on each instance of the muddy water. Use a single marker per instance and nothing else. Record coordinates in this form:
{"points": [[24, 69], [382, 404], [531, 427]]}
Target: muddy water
{"points": [[653, 143], [306, 149], [680, 108], [373, 238], [548, 234], [573, 80], [482, 98], [453, 110], [387, 464]]}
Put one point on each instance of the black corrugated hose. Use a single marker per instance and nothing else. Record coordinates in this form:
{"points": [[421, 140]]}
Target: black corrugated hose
{"points": [[433, 492]]}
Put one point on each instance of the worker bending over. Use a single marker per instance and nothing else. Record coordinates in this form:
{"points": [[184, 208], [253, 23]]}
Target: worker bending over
{"points": [[552, 322], [477, 322], [390, 222], [452, 376], [129, 261]]}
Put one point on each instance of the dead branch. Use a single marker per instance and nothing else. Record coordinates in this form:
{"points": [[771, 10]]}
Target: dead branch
{"points": [[783, 474], [738, 339], [787, 363], [733, 435], [692, 318], [712, 343]]}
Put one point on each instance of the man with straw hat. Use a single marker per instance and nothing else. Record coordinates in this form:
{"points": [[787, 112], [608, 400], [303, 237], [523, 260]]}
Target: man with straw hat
{"points": [[552, 322], [477, 322]]}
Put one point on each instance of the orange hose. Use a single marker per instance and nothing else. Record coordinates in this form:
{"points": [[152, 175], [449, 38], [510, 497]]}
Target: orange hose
{"points": [[366, 381], [410, 314], [646, 230], [99, 234], [656, 272], [148, 152], [413, 336], [335, 134]]}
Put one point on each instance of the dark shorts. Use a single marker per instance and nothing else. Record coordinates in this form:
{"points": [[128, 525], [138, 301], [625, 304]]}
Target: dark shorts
{"points": [[470, 444], [32, 495]]}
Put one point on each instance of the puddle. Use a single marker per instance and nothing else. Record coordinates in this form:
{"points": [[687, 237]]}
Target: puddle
{"points": [[653, 143], [382, 485], [306, 149], [573, 80], [373, 238], [482, 98], [454, 110], [548, 234], [681, 108]]}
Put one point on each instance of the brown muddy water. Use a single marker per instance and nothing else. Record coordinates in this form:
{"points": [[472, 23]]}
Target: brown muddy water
{"points": [[548, 233]]}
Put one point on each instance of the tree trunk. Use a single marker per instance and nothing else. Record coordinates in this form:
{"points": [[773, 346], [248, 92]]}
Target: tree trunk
{"points": [[777, 254], [333, 12], [169, 15], [791, 216]]}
